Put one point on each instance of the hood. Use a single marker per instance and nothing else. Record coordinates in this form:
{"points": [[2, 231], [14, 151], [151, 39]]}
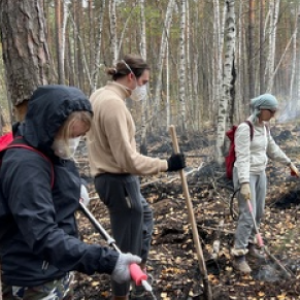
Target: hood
{"points": [[48, 108]]}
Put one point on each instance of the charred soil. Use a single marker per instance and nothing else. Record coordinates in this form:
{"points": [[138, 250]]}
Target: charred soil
{"points": [[173, 261]]}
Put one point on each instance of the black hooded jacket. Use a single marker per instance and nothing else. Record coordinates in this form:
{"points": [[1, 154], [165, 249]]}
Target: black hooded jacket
{"points": [[42, 243]]}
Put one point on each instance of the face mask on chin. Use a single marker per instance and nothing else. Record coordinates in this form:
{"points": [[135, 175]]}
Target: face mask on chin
{"points": [[139, 93], [65, 151]]}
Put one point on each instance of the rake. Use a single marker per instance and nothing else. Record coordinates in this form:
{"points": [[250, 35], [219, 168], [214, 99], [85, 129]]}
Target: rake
{"points": [[137, 275]]}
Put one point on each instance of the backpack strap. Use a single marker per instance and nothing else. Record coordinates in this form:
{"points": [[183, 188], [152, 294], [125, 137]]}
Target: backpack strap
{"points": [[24, 146], [251, 129]]}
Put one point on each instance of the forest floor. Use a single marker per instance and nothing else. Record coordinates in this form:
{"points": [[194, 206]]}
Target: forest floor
{"points": [[173, 260]]}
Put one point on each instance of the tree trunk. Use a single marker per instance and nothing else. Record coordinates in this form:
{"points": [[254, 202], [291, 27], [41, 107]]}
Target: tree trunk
{"points": [[80, 57], [59, 46], [274, 12], [113, 30], [143, 147], [228, 80], [95, 70], [261, 48], [182, 66], [25, 51], [161, 55], [251, 48]]}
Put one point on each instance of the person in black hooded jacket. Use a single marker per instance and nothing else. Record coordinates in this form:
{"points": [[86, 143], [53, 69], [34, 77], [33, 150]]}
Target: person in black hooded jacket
{"points": [[39, 246]]}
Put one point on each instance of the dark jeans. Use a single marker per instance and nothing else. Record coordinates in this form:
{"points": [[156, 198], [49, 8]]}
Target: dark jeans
{"points": [[131, 217]]}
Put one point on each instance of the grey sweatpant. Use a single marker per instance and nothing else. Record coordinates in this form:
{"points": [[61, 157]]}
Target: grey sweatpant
{"points": [[245, 231], [131, 217]]}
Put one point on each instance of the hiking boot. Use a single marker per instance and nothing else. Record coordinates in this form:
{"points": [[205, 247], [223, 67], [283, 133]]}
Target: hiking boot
{"points": [[139, 292], [255, 253], [240, 264]]}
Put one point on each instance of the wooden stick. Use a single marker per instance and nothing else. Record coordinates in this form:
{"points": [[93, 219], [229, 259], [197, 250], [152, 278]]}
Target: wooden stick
{"points": [[206, 287]]}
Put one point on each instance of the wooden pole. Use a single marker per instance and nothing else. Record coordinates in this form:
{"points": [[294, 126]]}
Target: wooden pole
{"points": [[202, 266]]}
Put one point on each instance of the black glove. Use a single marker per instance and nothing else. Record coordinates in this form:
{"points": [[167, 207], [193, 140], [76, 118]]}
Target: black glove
{"points": [[176, 162]]}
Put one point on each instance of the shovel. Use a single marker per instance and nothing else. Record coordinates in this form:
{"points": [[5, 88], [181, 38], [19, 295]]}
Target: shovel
{"points": [[206, 287], [137, 275]]}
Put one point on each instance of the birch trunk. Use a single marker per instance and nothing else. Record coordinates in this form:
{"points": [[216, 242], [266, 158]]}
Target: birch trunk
{"points": [[182, 66], [240, 64], [216, 63], [168, 88], [189, 93], [95, 70], [161, 55], [293, 65], [143, 147], [261, 48], [251, 48], [227, 79], [113, 30], [274, 11]]}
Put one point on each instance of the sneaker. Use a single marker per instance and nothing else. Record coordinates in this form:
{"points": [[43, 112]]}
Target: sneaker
{"points": [[240, 264], [255, 253]]}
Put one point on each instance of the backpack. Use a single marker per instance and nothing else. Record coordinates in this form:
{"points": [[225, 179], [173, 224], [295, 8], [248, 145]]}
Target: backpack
{"points": [[7, 141], [230, 158]]}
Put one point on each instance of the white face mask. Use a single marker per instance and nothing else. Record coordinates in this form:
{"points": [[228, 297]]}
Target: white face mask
{"points": [[139, 93], [60, 149]]}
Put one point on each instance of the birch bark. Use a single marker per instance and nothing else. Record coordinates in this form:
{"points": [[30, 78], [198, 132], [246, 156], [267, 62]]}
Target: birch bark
{"points": [[227, 79], [274, 13], [95, 70], [161, 54], [113, 30], [182, 65]]}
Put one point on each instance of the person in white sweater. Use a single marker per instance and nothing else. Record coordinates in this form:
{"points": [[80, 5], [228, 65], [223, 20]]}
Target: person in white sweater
{"points": [[249, 175]]}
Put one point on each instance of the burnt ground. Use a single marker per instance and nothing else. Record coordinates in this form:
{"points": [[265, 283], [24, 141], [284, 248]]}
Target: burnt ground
{"points": [[173, 260]]}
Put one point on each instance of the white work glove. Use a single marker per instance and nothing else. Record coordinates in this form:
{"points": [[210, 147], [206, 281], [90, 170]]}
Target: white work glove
{"points": [[294, 170], [245, 191], [121, 272], [84, 195]]}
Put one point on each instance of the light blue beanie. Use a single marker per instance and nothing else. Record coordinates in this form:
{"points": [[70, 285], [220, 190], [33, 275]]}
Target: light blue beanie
{"points": [[265, 101]]}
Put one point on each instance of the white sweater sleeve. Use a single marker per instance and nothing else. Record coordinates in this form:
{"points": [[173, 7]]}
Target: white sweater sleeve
{"points": [[242, 152]]}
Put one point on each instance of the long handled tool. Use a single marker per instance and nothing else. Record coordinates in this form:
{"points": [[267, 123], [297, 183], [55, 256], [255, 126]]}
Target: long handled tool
{"points": [[202, 266], [137, 275], [260, 243]]}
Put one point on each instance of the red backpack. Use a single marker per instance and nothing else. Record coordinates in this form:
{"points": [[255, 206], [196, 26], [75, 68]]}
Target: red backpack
{"points": [[230, 158], [7, 141]]}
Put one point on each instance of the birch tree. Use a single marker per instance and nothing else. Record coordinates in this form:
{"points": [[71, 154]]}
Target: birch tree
{"points": [[227, 79], [251, 48], [161, 55], [217, 50], [96, 65], [143, 147], [274, 14], [261, 48], [182, 65], [294, 60], [113, 30]]}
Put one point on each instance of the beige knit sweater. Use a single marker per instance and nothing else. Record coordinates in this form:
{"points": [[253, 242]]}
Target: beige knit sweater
{"points": [[111, 140]]}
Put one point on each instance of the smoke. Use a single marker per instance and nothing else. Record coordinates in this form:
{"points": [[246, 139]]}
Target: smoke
{"points": [[290, 112]]}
